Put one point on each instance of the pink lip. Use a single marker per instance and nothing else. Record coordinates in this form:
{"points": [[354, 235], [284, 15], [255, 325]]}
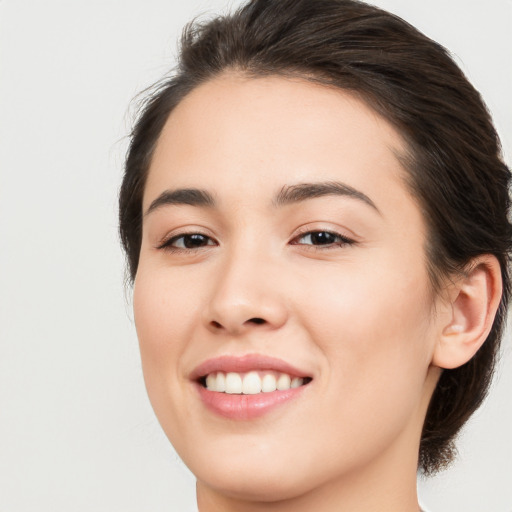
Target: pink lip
{"points": [[246, 363], [245, 407]]}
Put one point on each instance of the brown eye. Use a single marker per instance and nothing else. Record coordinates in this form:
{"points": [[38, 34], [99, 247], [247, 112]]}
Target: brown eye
{"points": [[322, 238], [187, 241]]}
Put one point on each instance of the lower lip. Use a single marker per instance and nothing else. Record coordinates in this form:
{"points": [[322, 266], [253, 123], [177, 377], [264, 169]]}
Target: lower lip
{"points": [[246, 407]]}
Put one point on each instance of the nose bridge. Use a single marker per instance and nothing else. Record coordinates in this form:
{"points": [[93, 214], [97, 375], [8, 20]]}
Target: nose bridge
{"points": [[245, 292]]}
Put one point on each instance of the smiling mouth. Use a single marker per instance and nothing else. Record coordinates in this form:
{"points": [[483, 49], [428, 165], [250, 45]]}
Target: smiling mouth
{"points": [[252, 382]]}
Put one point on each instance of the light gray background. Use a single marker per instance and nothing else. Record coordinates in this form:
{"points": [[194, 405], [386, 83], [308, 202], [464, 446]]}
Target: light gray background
{"points": [[76, 429]]}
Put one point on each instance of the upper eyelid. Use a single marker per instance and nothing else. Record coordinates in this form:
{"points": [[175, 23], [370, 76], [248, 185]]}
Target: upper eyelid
{"points": [[184, 231], [345, 239], [168, 239], [301, 232], [168, 244], [338, 231]]}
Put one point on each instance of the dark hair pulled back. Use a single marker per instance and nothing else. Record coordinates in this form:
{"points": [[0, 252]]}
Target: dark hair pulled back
{"points": [[454, 163]]}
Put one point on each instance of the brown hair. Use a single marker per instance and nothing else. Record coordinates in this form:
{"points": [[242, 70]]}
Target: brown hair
{"points": [[455, 167]]}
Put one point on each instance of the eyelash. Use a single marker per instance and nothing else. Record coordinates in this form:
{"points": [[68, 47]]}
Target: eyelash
{"points": [[168, 244], [340, 241]]}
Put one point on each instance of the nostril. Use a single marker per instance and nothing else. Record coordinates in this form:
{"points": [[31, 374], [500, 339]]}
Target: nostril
{"points": [[217, 326]]}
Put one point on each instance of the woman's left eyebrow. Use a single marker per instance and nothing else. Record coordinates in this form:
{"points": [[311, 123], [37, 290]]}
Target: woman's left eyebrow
{"points": [[296, 193]]}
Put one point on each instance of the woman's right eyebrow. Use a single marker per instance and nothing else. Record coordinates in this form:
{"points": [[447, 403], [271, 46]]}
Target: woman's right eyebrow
{"points": [[189, 196]]}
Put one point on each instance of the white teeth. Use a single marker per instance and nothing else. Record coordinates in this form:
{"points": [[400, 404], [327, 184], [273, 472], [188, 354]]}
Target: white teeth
{"points": [[268, 383], [297, 382], [251, 383], [283, 382], [211, 382], [221, 383], [233, 383]]}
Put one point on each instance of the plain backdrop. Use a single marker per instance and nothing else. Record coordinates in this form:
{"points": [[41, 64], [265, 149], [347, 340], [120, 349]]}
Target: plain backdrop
{"points": [[76, 429]]}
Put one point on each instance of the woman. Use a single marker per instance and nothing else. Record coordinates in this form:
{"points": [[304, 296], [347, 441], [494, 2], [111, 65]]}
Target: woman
{"points": [[314, 211]]}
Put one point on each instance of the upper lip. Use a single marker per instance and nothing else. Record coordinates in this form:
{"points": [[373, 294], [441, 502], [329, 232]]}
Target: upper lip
{"points": [[245, 363]]}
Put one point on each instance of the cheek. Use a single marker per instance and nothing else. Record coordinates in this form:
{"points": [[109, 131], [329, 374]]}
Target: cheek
{"points": [[165, 314], [165, 308], [373, 326], [374, 335], [153, 317]]}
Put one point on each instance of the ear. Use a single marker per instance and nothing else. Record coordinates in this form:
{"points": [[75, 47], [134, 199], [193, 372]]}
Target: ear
{"points": [[469, 314]]}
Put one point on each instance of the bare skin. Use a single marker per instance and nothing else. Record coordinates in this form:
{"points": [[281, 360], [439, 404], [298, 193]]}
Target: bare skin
{"points": [[338, 285]]}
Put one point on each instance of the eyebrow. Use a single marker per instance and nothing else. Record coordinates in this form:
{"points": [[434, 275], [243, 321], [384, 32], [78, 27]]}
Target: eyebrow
{"points": [[303, 191], [190, 196], [289, 194]]}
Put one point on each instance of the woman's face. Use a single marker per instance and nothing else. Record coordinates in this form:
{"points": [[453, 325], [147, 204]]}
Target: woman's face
{"points": [[280, 243]]}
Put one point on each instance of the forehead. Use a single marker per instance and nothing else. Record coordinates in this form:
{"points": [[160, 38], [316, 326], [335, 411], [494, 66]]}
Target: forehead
{"points": [[238, 135]]}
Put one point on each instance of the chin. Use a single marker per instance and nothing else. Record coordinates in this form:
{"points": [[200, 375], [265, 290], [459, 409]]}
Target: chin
{"points": [[254, 483], [249, 476]]}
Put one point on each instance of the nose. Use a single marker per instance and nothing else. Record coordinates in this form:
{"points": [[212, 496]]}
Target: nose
{"points": [[247, 294]]}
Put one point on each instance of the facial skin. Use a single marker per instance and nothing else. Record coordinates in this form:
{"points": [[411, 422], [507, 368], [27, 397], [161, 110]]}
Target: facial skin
{"points": [[359, 318]]}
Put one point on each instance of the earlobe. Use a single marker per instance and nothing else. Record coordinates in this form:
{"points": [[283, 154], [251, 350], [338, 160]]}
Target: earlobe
{"points": [[474, 300]]}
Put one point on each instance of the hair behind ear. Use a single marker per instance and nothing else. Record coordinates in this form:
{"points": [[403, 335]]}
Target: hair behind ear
{"points": [[466, 351]]}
